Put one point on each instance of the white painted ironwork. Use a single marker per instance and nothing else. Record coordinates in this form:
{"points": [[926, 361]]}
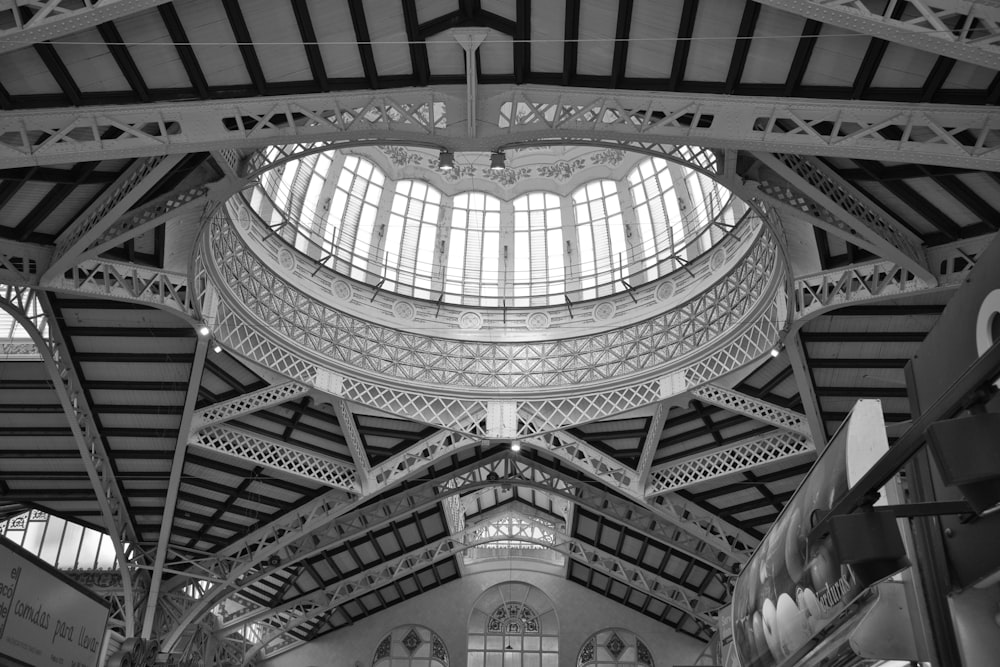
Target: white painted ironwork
{"points": [[819, 192], [345, 417], [22, 264], [34, 313], [51, 19], [806, 388], [744, 455], [752, 407], [420, 455], [966, 31], [248, 403], [584, 456], [954, 135], [173, 487], [277, 455], [651, 442], [326, 522], [119, 197], [285, 617], [128, 282], [353, 345]]}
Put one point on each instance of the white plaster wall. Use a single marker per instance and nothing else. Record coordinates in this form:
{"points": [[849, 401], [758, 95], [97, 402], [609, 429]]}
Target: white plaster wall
{"points": [[445, 610]]}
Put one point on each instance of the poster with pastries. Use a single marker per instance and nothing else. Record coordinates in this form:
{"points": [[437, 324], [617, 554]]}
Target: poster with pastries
{"points": [[791, 589]]}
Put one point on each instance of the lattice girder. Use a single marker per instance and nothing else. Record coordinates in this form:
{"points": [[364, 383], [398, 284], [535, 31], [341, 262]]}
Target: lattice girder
{"points": [[819, 192], [51, 19], [747, 454], [752, 407], [33, 311], [945, 134], [248, 403], [418, 456], [285, 617], [931, 28], [316, 527], [128, 282], [278, 456], [22, 264]]}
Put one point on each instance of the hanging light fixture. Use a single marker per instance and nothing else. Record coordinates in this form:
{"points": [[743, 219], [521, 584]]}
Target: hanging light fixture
{"points": [[446, 160], [498, 161]]}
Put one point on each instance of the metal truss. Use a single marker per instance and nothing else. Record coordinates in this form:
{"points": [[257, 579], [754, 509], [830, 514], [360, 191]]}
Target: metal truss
{"points": [[652, 442], [818, 192], [952, 135], [277, 456], [805, 385], [755, 408], [363, 469], [744, 455], [586, 457], [51, 19], [929, 29], [817, 293], [247, 403], [419, 456], [173, 486], [325, 523], [128, 282], [33, 311], [351, 344], [22, 264], [118, 198], [276, 623]]}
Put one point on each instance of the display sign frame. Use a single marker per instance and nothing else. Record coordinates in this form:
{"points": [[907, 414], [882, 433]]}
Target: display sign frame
{"points": [[46, 618]]}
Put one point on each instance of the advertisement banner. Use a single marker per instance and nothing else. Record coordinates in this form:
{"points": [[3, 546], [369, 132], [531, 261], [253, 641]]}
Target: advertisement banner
{"points": [[790, 589], [46, 620]]}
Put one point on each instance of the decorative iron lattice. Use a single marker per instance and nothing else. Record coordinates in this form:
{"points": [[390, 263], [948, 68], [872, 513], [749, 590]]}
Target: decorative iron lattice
{"points": [[49, 19], [745, 455], [247, 403], [22, 263], [382, 650], [438, 650], [149, 215], [450, 413], [854, 207], [236, 334], [277, 456], [346, 420], [757, 338], [294, 613], [513, 618], [755, 408], [352, 344], [583, 455], [925, 27], [123, 190], [419, 456], [32, 310], [128, 282]]}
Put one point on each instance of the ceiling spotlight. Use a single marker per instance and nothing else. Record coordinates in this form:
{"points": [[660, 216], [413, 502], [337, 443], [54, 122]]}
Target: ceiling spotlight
{"points": [[203, 330], [775, 351], [498, 160], [446, 160], [515, 446], [217, 348]]}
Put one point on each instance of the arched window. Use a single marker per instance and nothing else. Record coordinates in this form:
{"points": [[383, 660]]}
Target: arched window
{"points": [[410, 238], [411, 646], [513, 624], [600, 231], [351, 217], [538, 248], [614, 647], [474, 266]]}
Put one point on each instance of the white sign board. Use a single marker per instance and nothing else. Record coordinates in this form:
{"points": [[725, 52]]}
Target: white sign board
{"points": [[45, 619]]}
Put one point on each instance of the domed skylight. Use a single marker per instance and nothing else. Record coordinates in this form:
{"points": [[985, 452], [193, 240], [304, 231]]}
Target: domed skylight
{"points": [[463, 238]]}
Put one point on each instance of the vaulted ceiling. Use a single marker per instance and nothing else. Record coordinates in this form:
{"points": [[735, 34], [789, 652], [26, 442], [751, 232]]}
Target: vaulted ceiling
{"points": [[901, 133]]}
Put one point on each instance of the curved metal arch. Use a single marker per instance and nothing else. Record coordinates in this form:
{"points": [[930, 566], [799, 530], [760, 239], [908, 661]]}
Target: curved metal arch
{"points": [[106, 489]]}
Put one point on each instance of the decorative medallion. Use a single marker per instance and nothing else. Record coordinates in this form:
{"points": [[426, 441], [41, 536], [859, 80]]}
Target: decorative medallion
{"points": [[438, 650], [604, 311], [404, 310], [718, 258], [538, 321], [665, 290], [243, 220], [342, 290], [615, 645], [644, 656], [587, 653], [382, 650], [412, 641], [513, 619], [470, 320], [286, 259]]}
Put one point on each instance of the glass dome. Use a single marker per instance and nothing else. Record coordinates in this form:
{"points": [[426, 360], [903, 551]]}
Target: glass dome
{"points": [[388, 217]]}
